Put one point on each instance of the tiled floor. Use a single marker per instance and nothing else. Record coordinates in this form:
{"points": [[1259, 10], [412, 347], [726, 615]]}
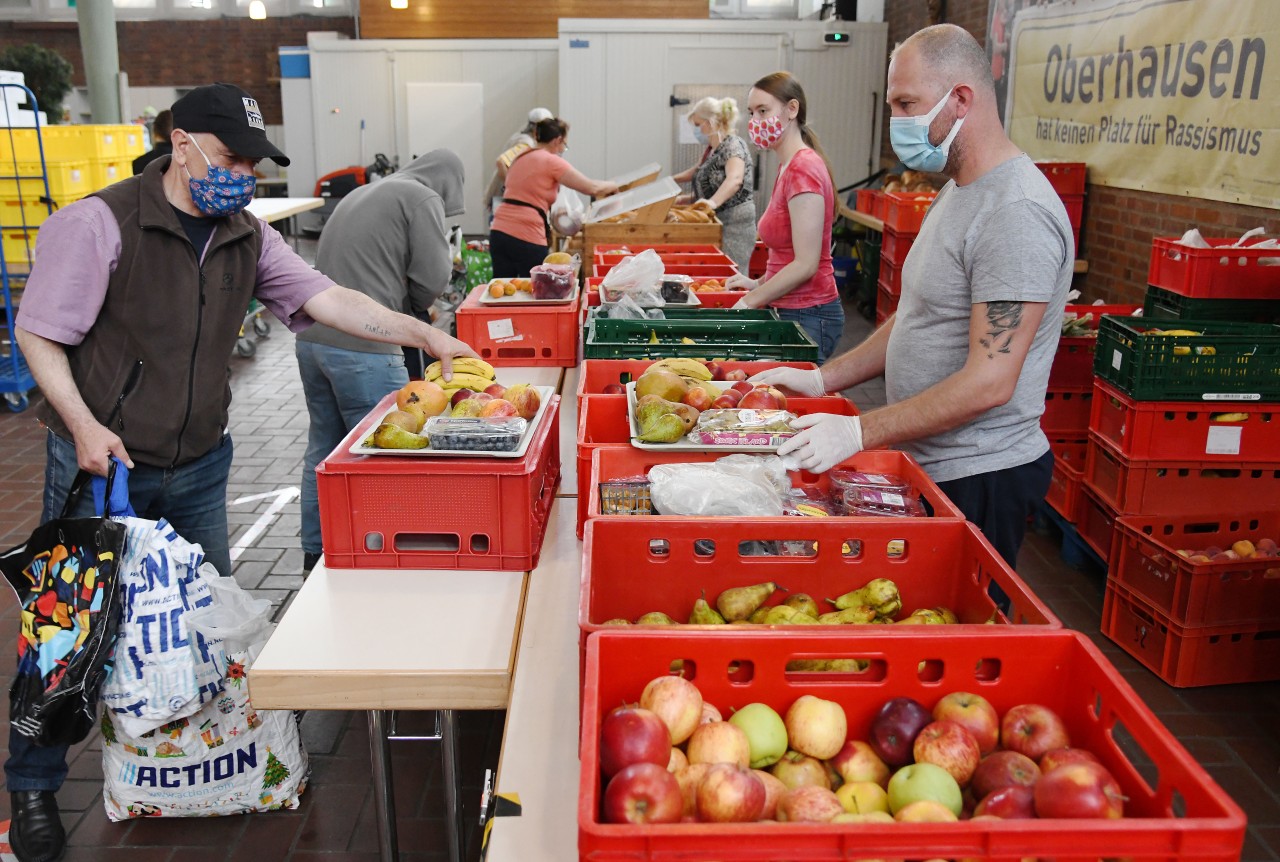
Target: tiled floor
{"points": [[1233, 730]]}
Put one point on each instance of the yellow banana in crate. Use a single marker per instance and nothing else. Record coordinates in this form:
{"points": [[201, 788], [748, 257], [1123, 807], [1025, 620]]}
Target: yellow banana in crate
{"points": [[461, 365], [683, 367], [1229, 417], [463, 380]]}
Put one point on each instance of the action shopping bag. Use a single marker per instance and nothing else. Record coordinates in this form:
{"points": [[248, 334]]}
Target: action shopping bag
{"points": [[65, 579]]}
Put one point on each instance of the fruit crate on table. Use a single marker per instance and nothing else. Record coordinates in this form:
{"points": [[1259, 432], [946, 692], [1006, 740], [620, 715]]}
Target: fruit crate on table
{"points": [[1066, 411], [713, 339], [1230, 592], [1068, 473], [1245, 360], [639, 236], [693, 270], [1174, 810], [691, 313], [619, 251], [1073, 363], [1176, 487], [708, 298], [596, 374], [1218, 272], [1160, 303], [437, 512], [1226, 431], [1187, 656], [602, 422], [524, 335]]}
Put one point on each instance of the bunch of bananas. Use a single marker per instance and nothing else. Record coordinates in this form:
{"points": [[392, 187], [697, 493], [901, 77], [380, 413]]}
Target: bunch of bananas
{"points": [[683, 367], [1182, 349], [468, 373]]}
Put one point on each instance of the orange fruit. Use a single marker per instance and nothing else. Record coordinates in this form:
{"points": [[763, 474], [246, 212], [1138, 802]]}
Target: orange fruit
{"points": [[496, 289]]}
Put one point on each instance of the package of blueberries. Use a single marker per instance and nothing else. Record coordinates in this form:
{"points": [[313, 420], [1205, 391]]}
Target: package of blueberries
{"points": [[473, 434]]}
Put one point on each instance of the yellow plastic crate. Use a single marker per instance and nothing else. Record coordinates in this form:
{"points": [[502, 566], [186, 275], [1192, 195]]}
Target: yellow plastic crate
{"points": [[133, 141], [104, 172], [67, 179], [60, 143], [28, 212], [100, 141], [19, 247]]}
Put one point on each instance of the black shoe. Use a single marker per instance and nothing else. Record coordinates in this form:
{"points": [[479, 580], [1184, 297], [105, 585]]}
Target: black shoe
{"points": [[309, 561], [35, 832]]}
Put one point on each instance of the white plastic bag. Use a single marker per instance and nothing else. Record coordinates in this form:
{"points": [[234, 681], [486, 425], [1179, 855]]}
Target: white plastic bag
{"points": [[737, 489], [568, 212], [636, 276], [162, 670]]}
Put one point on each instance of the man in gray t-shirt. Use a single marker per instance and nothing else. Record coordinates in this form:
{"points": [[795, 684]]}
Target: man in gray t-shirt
{"points": [[966, 357]]}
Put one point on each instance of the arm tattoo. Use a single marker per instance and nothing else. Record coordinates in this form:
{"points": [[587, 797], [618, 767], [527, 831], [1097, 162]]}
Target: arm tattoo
{"points": [[1003, 318], [374, 329]]}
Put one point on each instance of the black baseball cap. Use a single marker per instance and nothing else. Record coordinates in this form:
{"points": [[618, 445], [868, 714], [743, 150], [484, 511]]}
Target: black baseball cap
{"points": [[230, 113]]}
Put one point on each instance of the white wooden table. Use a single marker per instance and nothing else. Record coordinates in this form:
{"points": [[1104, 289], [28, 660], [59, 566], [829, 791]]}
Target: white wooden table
{"points": [[284, 209]]}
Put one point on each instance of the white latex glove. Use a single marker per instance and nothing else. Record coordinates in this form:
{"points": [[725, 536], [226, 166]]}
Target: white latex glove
{"points": [[740, 282], [825, 439], [801, 381], [741, 303]]}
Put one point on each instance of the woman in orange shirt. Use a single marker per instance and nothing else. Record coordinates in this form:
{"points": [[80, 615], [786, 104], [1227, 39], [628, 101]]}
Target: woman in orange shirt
{"points": [[520, 236]]}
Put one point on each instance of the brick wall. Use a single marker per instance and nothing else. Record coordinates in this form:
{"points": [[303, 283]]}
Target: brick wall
{"points": [[166, 53], [1118, 223]]}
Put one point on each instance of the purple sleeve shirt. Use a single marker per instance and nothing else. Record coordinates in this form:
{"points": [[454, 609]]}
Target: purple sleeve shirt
{"points": [[78, 247]]}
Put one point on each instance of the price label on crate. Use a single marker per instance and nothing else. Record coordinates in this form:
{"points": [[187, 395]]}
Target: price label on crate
{"points": [[1223, 440], [501, 328]]}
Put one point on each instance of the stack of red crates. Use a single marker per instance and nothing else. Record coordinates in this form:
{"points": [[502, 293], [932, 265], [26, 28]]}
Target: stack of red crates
{"points": [[902, 214], [1068, 180], [1166, 479], [698, 261], [1067, 404]]}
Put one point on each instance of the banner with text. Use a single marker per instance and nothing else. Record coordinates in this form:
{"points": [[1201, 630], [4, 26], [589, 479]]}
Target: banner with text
{"points": [[1166, 96]]}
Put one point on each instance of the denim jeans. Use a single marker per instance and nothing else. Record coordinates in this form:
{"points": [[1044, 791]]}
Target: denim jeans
{"points": [[824, 323], [192, 497], [341, 387]]}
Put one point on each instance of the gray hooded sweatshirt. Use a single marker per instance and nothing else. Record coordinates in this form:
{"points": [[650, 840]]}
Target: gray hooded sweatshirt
{"points": [[389, 240]]}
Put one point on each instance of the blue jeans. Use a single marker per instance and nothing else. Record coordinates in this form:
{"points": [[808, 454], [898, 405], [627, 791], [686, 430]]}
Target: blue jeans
{"points": [[824, 323], [192, 497], [341, 387]]}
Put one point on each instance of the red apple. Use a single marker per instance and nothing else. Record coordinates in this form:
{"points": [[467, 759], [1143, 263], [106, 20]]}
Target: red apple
{"points": [[730, 794], [974, 713], [1062, 756], [808, 805], [858, 761], [949, 745], [895, 727], [677, 760], [716, 369], [719, 742], [677, 702], [925, 811], [689, 777], [1033, 729], [709, 714], [632, 735], [743, 386], [614, 389], [499, 407], [697, 397], [800, 770], [1079, 790], [525, 398], [816, 727], [736, 374], [461, 395], [763, 398], [724, 402], [1014, 802], [773, 790], [643, 793], [495, 389], [482, 397], [1004, 769]]}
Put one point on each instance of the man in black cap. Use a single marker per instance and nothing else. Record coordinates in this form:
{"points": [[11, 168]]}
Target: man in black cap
{"points": [[129, 318]]}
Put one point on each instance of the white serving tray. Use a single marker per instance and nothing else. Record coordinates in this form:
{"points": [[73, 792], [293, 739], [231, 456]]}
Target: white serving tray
{"points": [[522, 298], [544, 393], [683, 444]]}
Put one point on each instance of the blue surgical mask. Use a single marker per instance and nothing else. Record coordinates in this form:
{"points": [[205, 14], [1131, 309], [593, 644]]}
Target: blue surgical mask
{"points": [[909, 137], [221, 192], [701, 136]]}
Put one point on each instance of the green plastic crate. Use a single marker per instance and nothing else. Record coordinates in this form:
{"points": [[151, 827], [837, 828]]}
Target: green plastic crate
{"points": [[479, 266], [594, 312], [756, 339], [1165, 304], [1244, 365]]}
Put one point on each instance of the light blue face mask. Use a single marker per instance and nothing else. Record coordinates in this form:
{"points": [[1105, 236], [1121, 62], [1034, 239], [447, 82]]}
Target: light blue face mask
{"points": [[909, 137], [701, 136]]}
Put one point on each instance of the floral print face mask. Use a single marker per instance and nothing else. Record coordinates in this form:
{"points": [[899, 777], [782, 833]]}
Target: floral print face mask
{"points": [[221, 192]]}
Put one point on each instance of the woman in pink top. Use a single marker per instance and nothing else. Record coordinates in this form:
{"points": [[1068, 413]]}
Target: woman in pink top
{"points": [[520, 235], [796, 226]]}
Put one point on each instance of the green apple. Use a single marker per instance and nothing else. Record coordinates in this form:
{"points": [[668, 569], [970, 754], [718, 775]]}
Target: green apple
{"points": [[765, 731], [917, 781]]}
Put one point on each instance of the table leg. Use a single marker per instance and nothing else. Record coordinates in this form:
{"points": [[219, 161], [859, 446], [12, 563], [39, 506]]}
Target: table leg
{"points": [[383, 797], [453, 811]]}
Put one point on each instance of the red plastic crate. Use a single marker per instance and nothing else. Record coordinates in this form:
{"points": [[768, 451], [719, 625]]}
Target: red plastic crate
{"points": [[695, 270], [1067, 178], [1214, 273], [1068, 472], [904, 211], [890, 280], [602, 421], [866, 201], [709, 299], [886, 304], [1185, 430], [1174, 809], [599, 373], [1232, 592], [1073, 363], [1190, 656], [895, 245], [414, 512], [878, 205], [1179, 487], [524, 335], [1066, 412], [661, 248], [1097, 523], [759, 260], [704, 258]]}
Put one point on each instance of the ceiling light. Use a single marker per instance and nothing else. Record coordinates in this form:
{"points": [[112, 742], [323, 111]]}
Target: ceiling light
{"points": [[257, 10], [399, 4]]}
